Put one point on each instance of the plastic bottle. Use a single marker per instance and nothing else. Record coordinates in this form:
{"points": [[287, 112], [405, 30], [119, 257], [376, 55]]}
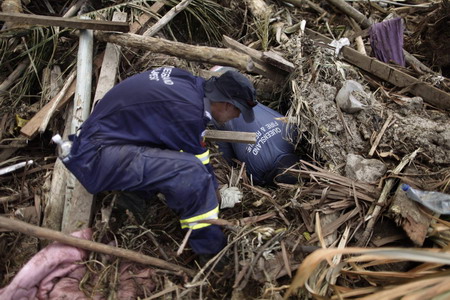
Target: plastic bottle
{"points": [[436, 201], [63, 146]]}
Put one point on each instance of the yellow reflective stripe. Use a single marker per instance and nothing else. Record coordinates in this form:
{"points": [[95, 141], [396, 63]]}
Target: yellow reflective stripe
{"points": [[196, 226], [204, 157], [193, 222]]}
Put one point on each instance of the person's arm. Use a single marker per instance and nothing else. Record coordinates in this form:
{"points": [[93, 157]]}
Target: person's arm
{"points": [[186, 134]]}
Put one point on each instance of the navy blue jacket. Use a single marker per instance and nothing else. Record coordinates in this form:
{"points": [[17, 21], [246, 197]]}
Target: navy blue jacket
{"points": [[271, 146], [162, 108]]}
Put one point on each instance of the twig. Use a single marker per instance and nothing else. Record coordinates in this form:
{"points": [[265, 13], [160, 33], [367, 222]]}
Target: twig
{"points": [[10, 198], [380, 134], [167, 17], [184, 242], [44, 233]]}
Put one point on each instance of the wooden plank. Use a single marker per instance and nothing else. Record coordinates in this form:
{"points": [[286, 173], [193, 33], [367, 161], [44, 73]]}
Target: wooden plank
{"points": [[31, 128], [429, 93], [144, 19], [278, 61], [413, 220], [78, 208], [28, 19], [110, 65], [54, 204], [259, 65], [231, 136]]}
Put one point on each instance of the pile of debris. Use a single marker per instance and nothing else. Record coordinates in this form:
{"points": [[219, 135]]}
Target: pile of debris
{"points": [[369, 119]]}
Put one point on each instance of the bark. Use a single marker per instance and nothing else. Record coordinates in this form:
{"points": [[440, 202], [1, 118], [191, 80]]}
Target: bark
{"points": [[216, 56]]}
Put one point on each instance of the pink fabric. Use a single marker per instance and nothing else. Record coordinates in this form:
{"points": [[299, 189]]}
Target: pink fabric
{"points": [[53, 273], [34, 280]]}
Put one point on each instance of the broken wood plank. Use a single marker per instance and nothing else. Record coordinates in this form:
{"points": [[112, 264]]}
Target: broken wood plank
{"points": [[54, 204], [410, 217], [64, 22], [31, 128], [230, 136], [167, 17], [278, 61], [217, 56], [44, 233], [429, 93], [144, 19], [110, 66], [260, 66], [55, 103]]}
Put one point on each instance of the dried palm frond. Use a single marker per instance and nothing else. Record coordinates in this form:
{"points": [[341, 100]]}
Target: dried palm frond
{"points": [[417, 283], [213, 18]]}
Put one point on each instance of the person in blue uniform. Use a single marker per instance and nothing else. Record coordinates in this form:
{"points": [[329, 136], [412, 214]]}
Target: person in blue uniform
{"points": [[147, 135], [271, 155]]}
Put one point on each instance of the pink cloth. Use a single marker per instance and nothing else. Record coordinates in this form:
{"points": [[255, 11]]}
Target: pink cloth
{"points": [[35, 279], [53, 273]]}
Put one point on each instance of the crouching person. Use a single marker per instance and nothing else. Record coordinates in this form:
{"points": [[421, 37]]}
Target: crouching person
{"points": [[147, 135]]}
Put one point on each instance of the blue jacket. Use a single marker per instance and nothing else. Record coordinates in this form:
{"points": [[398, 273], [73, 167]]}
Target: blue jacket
{"points": [[147, 135], [161, 108], [271, 146]]}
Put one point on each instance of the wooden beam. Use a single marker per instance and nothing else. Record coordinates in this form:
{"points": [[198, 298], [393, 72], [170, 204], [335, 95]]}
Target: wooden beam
{"points": [[260, 65], [64, 22], [230, 136], [429, 93], [78, 207], [217, 56], [110, 65]]}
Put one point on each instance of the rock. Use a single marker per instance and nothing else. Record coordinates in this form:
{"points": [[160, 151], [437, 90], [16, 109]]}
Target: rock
{"points": [[366, 170], [351, 98]]}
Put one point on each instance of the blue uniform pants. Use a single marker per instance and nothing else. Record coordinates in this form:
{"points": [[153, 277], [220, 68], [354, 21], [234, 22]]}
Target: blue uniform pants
{"points": [[181, 177]]}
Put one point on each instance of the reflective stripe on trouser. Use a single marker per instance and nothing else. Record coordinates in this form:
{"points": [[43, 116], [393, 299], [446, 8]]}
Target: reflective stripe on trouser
{"points": [[182, 178], [204, 157]]}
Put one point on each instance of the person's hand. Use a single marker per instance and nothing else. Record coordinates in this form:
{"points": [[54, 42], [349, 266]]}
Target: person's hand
{"points": [[230, 196]]}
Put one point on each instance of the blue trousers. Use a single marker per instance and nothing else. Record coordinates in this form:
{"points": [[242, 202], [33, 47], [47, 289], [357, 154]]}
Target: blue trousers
{"points": [[181, 177]]}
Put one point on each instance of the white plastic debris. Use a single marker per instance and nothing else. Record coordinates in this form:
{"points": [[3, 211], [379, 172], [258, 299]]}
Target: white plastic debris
{"points": [[15, 167], [348, 95], [338, 44]]}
